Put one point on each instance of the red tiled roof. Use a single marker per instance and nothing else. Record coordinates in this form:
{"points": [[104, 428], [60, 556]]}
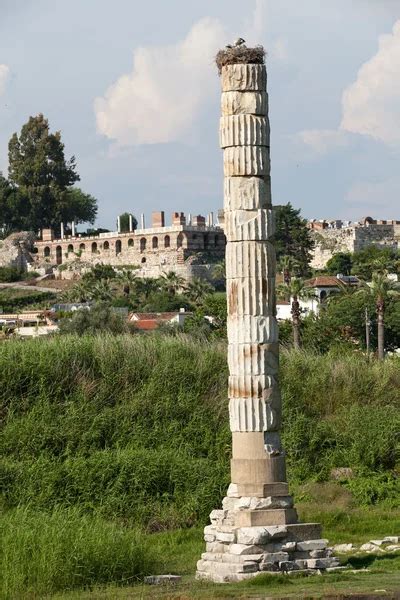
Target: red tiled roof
{"points": [[324, 281]]}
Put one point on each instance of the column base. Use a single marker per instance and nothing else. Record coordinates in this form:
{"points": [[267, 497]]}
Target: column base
{"points": [[254, 534]]}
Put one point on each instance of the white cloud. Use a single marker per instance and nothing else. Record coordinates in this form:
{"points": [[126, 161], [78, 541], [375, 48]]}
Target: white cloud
{"points": [[371, 105], [321, 141], [159, 100], [4, 73]]}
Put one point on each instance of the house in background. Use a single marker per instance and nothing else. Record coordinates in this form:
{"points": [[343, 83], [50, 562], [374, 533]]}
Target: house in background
{"points": [[151, 321], [321, 288]]}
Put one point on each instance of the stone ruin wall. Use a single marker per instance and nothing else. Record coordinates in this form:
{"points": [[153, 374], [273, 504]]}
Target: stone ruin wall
{"points": [[15, 250], [188, 251], [351, 239]]}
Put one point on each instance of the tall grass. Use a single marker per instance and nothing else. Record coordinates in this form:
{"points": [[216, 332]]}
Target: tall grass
{"points": [[136, 428], [45, 552]]}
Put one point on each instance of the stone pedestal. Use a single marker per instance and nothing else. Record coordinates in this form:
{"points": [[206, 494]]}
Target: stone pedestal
{"points": [[257, 529]]}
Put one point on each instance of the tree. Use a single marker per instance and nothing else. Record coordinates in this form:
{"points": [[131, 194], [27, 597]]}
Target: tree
{"points": [[380, 290], [292, 237], [98, 320], [128, 279], [198, 289], [124, 222], [294, 290], [78, 207], [172, 282], [44, 179], [341, 262], [13, 209], [373, 259]]}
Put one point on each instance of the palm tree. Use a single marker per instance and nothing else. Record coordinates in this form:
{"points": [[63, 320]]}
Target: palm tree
{"points": [[102, 291], [145, 287], [380, 290], [172, 282], [197, 289], [128, 279], [80, 292], [288, 266], [294, 290], [219, 271]]}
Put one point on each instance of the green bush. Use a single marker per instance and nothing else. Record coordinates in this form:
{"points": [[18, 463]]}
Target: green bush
{"points": [[10, 274], [42, 552]]}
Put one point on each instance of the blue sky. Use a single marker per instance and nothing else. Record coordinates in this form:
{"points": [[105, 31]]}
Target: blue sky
{"points": [[133, 89]]}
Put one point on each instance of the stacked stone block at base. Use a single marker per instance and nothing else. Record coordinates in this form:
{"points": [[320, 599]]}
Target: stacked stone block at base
{"points": [[235, 553]]}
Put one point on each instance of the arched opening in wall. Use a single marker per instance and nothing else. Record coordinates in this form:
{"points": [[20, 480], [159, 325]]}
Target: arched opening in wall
{"points": [[130, 243], [46, 251], [216, 240], [118, 247], [167, 241], [106, 246], [206, 240], [94, 247], [180, 240], [142, 244], [154, 243], [322, 296], [70, 249], [143, 260], [59, 255], [35, 250], [82, 247]]}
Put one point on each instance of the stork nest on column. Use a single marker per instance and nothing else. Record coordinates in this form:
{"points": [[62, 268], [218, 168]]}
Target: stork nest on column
{"points": [[240, 55]]}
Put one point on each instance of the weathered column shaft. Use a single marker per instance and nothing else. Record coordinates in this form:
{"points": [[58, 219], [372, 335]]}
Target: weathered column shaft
{"points": [[257, 528], [254, 398]]}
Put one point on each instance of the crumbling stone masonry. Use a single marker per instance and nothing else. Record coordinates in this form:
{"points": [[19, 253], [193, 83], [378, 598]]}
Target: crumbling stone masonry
{"points": [[257, 529]]}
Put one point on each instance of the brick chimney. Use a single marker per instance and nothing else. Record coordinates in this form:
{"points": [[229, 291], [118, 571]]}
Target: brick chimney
{"points": [[158, 219], [178, 218], [198, 221]]}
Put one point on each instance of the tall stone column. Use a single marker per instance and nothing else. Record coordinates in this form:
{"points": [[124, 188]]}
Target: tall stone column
{"points": [[257, 528]]}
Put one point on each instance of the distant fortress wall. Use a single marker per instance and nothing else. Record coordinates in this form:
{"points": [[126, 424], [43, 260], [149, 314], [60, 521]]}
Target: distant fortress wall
{"points": [[331, 237], [186, 248]]}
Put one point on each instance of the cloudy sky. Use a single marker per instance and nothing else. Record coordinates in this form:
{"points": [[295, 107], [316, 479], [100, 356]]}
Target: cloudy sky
{"points": [[133, 89]]}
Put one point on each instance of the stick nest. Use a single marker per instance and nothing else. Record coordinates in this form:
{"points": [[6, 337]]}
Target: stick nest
{"points": [[240, 55]]}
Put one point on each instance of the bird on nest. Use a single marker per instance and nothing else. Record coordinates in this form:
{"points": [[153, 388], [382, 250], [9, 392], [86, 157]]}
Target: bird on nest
{"points": [[239, 42]]}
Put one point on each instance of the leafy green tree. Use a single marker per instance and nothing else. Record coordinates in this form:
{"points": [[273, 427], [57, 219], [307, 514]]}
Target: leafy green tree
{"points": [[124, 222], [44, 178], [100, 272], [292, 237], [373, 259], [13, 209], [98, 320], [341, 262], [78, 207]]}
